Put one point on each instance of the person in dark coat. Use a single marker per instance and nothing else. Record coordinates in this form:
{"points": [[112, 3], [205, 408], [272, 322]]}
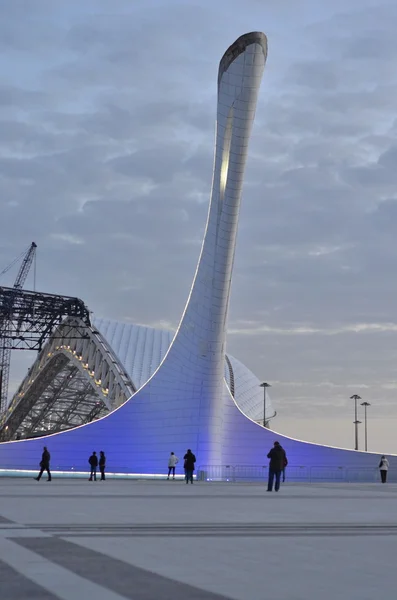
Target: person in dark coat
{"points": [[44, 464], [189, 463], [285, 466], [93, 460], [277, 462], [102, 464]]}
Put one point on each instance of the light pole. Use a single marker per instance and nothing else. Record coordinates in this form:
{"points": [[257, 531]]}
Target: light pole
{"points": [[264, 385], [365, 404], [355, 397]]}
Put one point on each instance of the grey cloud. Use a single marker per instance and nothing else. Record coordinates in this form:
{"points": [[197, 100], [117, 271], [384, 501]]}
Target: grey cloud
{"points": [[23, 169], [314, 75], [25, 27], [357, 20], [16, 97], [106, 160], [374, 175], [130, 118], [146, 164], [27, 140], [388, 159], [376, 44], [376, 99]]}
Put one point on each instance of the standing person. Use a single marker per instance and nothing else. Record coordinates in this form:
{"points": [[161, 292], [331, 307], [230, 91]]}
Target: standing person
{"points": [[284, 467], [190, 460], [44, 464], [383, 468], [172, 462], [277, 458], [93, 460], [102, 464]]}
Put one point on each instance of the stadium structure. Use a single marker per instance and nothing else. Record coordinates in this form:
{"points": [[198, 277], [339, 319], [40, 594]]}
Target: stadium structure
{"points": [[85, 372], [136, 393]]}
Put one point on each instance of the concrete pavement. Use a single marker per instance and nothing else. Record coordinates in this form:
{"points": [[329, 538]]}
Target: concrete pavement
{"points": [[71, 539]]}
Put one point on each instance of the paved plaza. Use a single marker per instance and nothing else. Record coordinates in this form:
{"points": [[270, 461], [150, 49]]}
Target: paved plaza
{"points": [[72, 539]]}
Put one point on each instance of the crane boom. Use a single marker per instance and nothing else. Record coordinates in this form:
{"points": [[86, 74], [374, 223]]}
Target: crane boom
{"points": [[5, 326], [25, 267]]}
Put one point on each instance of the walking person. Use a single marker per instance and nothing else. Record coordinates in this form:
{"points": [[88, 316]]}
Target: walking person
{"points": [[277, 457], [93, 461], [172, 462], [189, 463], [44, 464], [102, 464], [383, 468]]}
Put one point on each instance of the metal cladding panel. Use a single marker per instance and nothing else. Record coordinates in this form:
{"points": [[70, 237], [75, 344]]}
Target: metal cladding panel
{"points": [[248, 395], [186, 403], [141, 349], [244, 443]]}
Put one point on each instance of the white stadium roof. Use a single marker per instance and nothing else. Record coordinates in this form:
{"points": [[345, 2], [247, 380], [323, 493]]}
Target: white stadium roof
{"points": [[140, 350]]}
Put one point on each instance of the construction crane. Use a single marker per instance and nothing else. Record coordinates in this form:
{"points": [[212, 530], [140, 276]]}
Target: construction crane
{"points": [[6, 321]]}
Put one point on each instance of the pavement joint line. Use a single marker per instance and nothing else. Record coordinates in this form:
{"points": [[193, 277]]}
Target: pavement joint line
{"points": [[263, 498], [115, 575], [4, 527], [17, 586], [5, 521], [202, 526], [57, 580], [190, 536], [217, 530]]}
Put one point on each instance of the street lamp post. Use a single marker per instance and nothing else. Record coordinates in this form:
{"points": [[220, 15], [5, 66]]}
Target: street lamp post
{"points": [[264, 385], [365, 405], [355, 397]]}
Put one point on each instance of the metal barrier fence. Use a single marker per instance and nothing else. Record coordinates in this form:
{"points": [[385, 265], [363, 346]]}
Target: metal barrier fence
{"points": [[293, 473], [229, 473]]}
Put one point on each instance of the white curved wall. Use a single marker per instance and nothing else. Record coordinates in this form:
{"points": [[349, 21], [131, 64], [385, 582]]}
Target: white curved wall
{"points": [[247, 393], [141, 349]]}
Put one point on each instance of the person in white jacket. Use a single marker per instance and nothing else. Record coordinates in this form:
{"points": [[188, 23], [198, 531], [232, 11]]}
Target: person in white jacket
{"points": [[383, 468], [172, 462]]}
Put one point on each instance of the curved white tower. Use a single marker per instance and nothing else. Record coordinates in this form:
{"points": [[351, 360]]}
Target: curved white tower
{"points": [[187, 389], [186, 403]]}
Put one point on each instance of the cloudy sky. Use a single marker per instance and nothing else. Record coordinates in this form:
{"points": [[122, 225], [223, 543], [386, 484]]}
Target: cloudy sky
{"points": [[106, 139]]}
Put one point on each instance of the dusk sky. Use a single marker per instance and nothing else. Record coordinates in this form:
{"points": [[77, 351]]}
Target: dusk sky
{"points": [[107, 113]]}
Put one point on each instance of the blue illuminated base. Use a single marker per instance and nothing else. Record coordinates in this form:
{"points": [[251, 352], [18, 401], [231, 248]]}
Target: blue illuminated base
{"points": [[139, 436], [84, 475]]}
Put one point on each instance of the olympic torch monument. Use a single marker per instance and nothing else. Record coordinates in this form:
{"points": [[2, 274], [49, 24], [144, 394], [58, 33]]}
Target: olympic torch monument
{"points": [[186, 402]]}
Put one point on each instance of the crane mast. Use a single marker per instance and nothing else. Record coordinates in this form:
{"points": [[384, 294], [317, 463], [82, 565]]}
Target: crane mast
{"points": [[25, 267], [5, 325]]}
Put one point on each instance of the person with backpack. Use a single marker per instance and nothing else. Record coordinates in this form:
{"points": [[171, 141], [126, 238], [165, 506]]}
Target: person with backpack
{"points": [[383, 468], [93, 462], [277, 457], [189, 463]]}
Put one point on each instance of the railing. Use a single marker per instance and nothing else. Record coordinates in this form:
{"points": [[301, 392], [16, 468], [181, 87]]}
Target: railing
{"points": [[222, 473], [293, 473]]}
